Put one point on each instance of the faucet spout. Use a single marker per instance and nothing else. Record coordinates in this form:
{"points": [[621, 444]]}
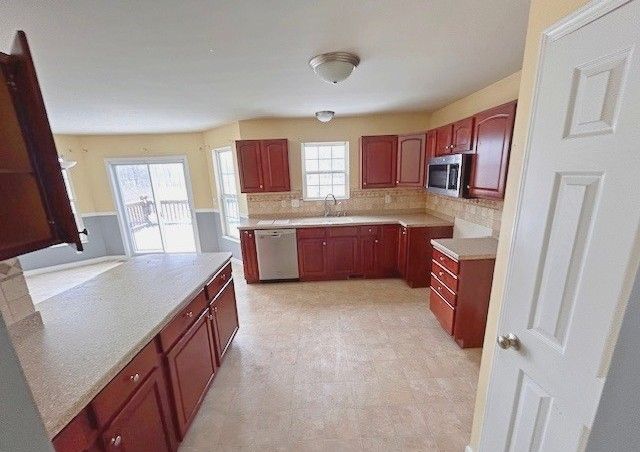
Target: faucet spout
{"points": [[327, 208]]}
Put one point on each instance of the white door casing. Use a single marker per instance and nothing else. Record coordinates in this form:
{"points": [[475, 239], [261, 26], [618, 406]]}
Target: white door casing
{"points": [[575, 247]]}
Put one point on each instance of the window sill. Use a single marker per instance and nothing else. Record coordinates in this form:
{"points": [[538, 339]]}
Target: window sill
{"points": [[231, 239]]}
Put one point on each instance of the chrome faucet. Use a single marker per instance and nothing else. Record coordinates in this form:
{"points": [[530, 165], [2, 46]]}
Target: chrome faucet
{"points": [[327, 209]]}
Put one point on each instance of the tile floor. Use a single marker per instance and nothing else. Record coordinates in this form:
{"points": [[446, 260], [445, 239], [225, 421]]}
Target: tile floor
{"points": [[337, 366], [46, 285]]}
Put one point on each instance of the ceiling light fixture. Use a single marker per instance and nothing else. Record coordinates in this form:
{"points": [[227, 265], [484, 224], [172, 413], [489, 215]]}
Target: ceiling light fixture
{"points": [[334, 67], [325, 115]]}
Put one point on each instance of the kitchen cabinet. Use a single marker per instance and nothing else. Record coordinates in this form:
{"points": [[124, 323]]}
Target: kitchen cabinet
{"points": [[379, 161], [411, 160], [81, 434], [225, 319], [249, 256], [312, 254], [144, 421], [35, 211], [192, 365], [431, 145], [443, 139], [492, 143], [343, 252], [462, 135], [459, 296], [379, 251], [414, 252], [263, 165]]}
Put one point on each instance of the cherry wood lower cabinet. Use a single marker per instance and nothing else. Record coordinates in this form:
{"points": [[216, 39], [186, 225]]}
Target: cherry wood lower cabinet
{"points": [[379, 251], [312, 258], [224, 319], [414, 252], [249, 256], [192, 365], [459, 297], [149, 405]]}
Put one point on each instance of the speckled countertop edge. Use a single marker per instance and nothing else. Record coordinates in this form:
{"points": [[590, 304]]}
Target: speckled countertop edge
{"points": [[467, 248], [58, 408]]}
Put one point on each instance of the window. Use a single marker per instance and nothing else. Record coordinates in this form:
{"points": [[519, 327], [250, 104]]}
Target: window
{"points": [[325, 170], [228, 194], [73, 201]]}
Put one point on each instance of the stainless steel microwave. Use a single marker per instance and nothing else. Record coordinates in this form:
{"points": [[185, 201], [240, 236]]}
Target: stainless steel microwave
{"points": [[449, 175]]}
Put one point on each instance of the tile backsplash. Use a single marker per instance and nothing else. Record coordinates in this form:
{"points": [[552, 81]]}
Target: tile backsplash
{"points": [[480, 211], [15, 301]]}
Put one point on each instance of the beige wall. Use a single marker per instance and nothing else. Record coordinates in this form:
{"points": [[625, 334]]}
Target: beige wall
{"points": [[543, 13], [216, 138], [497, 93]]}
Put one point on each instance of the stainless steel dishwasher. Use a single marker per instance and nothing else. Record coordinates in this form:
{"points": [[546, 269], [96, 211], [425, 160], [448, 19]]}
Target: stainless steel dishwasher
{"points": [[277, 254]]}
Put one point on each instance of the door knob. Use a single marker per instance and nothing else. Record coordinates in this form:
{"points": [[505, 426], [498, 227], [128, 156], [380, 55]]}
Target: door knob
{"points": [[509, 341]]}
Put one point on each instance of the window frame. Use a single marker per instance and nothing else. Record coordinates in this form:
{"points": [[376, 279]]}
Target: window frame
{"points": [[222, 196], [346, 171]]}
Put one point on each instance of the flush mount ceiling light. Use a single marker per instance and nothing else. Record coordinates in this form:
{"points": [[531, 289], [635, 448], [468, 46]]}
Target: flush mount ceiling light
{"points": [[325, 115], [334, 67]]}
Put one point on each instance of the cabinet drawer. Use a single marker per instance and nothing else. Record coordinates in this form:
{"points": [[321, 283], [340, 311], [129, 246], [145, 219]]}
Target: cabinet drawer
{"points": [[182, 321], [343, 231], [443, 312], [218, 281], [443, 275], [368, 231], [311, 233], [446, 261], [107, 403], [443, 290]]}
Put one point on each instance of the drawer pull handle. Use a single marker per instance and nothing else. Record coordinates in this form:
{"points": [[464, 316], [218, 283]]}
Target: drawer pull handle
{"points": [[439, 289], [135, 377], [440, 273], [189, 314], [116, 441]]}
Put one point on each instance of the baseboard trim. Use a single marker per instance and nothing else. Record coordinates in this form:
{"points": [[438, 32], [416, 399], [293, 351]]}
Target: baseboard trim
{"points": [[68, 265]]}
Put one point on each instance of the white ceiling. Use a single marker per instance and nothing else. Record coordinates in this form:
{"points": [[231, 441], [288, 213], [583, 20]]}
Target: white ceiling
{"points": [[146, 66]]}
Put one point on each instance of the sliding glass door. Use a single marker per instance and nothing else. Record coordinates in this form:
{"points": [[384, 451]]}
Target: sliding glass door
{"points": [[154, 205]]}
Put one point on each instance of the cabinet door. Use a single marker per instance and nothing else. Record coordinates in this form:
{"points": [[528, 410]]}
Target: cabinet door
{"points": [[312, 258], [411, 160], [275, 165], [443, 139], [418, 261], [192, 365], [250, 166], [343, 257], [144, 423], [402, 251], [249, 256], [225, 315], [388, 249], [461, 140], [431, 144], [492, 144], [379, 160]]}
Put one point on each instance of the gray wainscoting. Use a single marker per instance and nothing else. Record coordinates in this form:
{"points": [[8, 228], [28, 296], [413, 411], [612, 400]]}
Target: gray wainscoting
{"points": [[105, 239]]}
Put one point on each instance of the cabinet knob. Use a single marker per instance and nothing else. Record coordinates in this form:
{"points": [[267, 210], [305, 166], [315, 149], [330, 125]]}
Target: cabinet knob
{"points": [[116, 441], [439, 289], [442, 258], [210, 317], [215, 309], [224, 276], [324, 243], [397, 182], [261, 186], [375, 241], [440, 273], [189, 314], [135, 377], [364, 183]]}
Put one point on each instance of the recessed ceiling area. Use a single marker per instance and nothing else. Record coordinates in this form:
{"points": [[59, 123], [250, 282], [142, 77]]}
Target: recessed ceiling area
{"points": [[155, 66]]}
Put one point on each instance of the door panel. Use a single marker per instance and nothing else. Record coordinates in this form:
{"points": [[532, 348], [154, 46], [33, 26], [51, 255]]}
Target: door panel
{"points": [[492, 144], [581, 160], [411, 160], [312, 258], [275, 165], [226, 318], [379, 160], [461, 139], [444, 136], [343, 257], [249, 256], [250, 166]]}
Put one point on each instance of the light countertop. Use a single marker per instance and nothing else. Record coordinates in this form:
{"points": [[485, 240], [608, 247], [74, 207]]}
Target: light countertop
{"points": [[90, 332], [467, 248], [407, 220]]}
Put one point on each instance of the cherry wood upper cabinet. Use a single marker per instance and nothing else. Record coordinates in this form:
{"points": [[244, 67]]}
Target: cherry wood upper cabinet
{"points": [[411, 160], [462, 135], [492, 143], [443, 139], [379, 160], [275, 165], [250, 166], [431, 145], [263, 165], [35, 211]]}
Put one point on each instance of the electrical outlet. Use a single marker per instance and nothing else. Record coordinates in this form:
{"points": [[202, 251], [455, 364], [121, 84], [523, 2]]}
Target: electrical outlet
{"points": [[387, 199], [295, 203]]}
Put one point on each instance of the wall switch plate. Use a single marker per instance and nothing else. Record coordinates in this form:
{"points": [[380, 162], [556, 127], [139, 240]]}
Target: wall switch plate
{"points": [[295, 203], [387, 199]]}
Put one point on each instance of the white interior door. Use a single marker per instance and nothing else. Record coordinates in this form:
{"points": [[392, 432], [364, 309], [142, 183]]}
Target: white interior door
{"points": [[575, 246]]}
